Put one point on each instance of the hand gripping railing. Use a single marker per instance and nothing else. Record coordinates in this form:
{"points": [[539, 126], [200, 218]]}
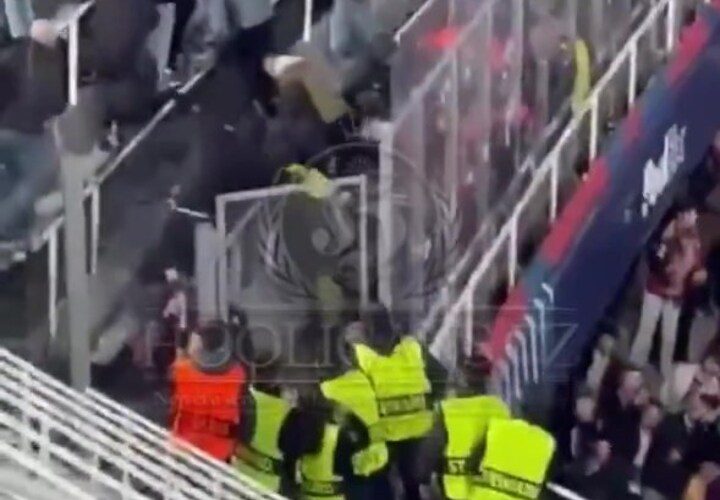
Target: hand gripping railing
{"points": [[113, 437], [505, 246]]}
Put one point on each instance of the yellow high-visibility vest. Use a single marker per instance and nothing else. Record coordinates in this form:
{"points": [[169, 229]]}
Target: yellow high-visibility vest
{"points": [[516, 460], [581, 84], [466, 421], [401, 388], [261, 459], [318, 479], [353, 392]]}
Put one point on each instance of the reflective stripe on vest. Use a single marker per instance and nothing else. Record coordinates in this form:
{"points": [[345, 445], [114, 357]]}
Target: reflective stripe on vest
{"points": [[401, 388], [353, 392], [517, 456], [466, 421], [318, 478], [261, 459]]}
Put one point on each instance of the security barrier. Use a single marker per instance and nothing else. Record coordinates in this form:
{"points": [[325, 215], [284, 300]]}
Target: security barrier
{"points": [[480, 92], [463, 319], [104, 446], [264, 252]]}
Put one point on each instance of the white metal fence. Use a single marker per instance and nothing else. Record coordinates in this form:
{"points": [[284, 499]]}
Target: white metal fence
{"points": [[556, 176], [104, 446], [473, 109], [51, 234], [252, 244]]}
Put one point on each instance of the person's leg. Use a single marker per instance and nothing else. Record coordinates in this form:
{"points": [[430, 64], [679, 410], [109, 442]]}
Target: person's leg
{"points": [[649, 315], [670, 317], [183, 12], [406, 459]]}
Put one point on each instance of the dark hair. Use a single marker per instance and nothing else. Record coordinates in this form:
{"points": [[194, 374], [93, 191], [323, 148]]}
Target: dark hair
{"points": [[213, 336], [379, 323]]}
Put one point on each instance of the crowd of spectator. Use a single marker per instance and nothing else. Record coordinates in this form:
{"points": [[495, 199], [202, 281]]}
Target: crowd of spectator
{"points": [[647, 425]]}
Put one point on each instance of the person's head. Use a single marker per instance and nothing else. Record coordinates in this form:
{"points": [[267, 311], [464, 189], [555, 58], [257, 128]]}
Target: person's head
{"points": [[696, 406], [631, 385], [378, 327], [686, 217], [585, 408], [602, 451], [210, 347], [652, 415], [711, 366], [474, 374]]}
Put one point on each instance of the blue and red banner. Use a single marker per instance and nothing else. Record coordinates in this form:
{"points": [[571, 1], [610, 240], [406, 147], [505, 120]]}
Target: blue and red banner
{"points": [[606, 224]]}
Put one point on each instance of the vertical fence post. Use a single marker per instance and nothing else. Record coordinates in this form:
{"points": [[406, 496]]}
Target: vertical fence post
{"points": [[53, 282], [521, 339], [554, 185], [594, 126], [364, 268], [534, 355], [222, 262], [452, 156], [512, 249], [469, 312], [94, 229], [670, 26], [385, 226], [73, 63], [632, 78], [307, 21]]}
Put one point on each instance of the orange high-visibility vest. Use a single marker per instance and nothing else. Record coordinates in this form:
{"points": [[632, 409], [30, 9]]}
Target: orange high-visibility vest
{"points": [[206, 407]]}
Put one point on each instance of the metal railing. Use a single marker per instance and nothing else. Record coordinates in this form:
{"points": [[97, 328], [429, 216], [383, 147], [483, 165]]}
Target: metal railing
{"points": [[32, 466], [500, 262], [50, 235], [107, 443], [472, 130]]}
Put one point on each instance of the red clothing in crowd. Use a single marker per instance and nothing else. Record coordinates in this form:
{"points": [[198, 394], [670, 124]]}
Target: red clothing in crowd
{"points": [[206, 407], [682, 258]]}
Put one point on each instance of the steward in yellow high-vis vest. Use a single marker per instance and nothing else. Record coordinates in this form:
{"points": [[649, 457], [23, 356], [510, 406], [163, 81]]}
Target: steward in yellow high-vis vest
{"points": [[352, 392], [318, 480], [465, 421], [401, 387], [515, 462], [261, 459]]}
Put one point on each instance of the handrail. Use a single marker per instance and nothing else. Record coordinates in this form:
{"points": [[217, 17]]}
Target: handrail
{"points": [[174, 459], [549, 167], [46, 400], [47, 447], [33, 466]]}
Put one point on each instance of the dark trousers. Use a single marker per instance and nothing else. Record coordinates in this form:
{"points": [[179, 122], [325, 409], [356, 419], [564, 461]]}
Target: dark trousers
{"points": [[246, 50], [374, 487], [183, 11], [404, 454]]}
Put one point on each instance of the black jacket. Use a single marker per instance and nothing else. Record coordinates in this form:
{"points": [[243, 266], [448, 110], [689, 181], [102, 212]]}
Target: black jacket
{"points": [[661, 473], [113, 35], [39, 75]]}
